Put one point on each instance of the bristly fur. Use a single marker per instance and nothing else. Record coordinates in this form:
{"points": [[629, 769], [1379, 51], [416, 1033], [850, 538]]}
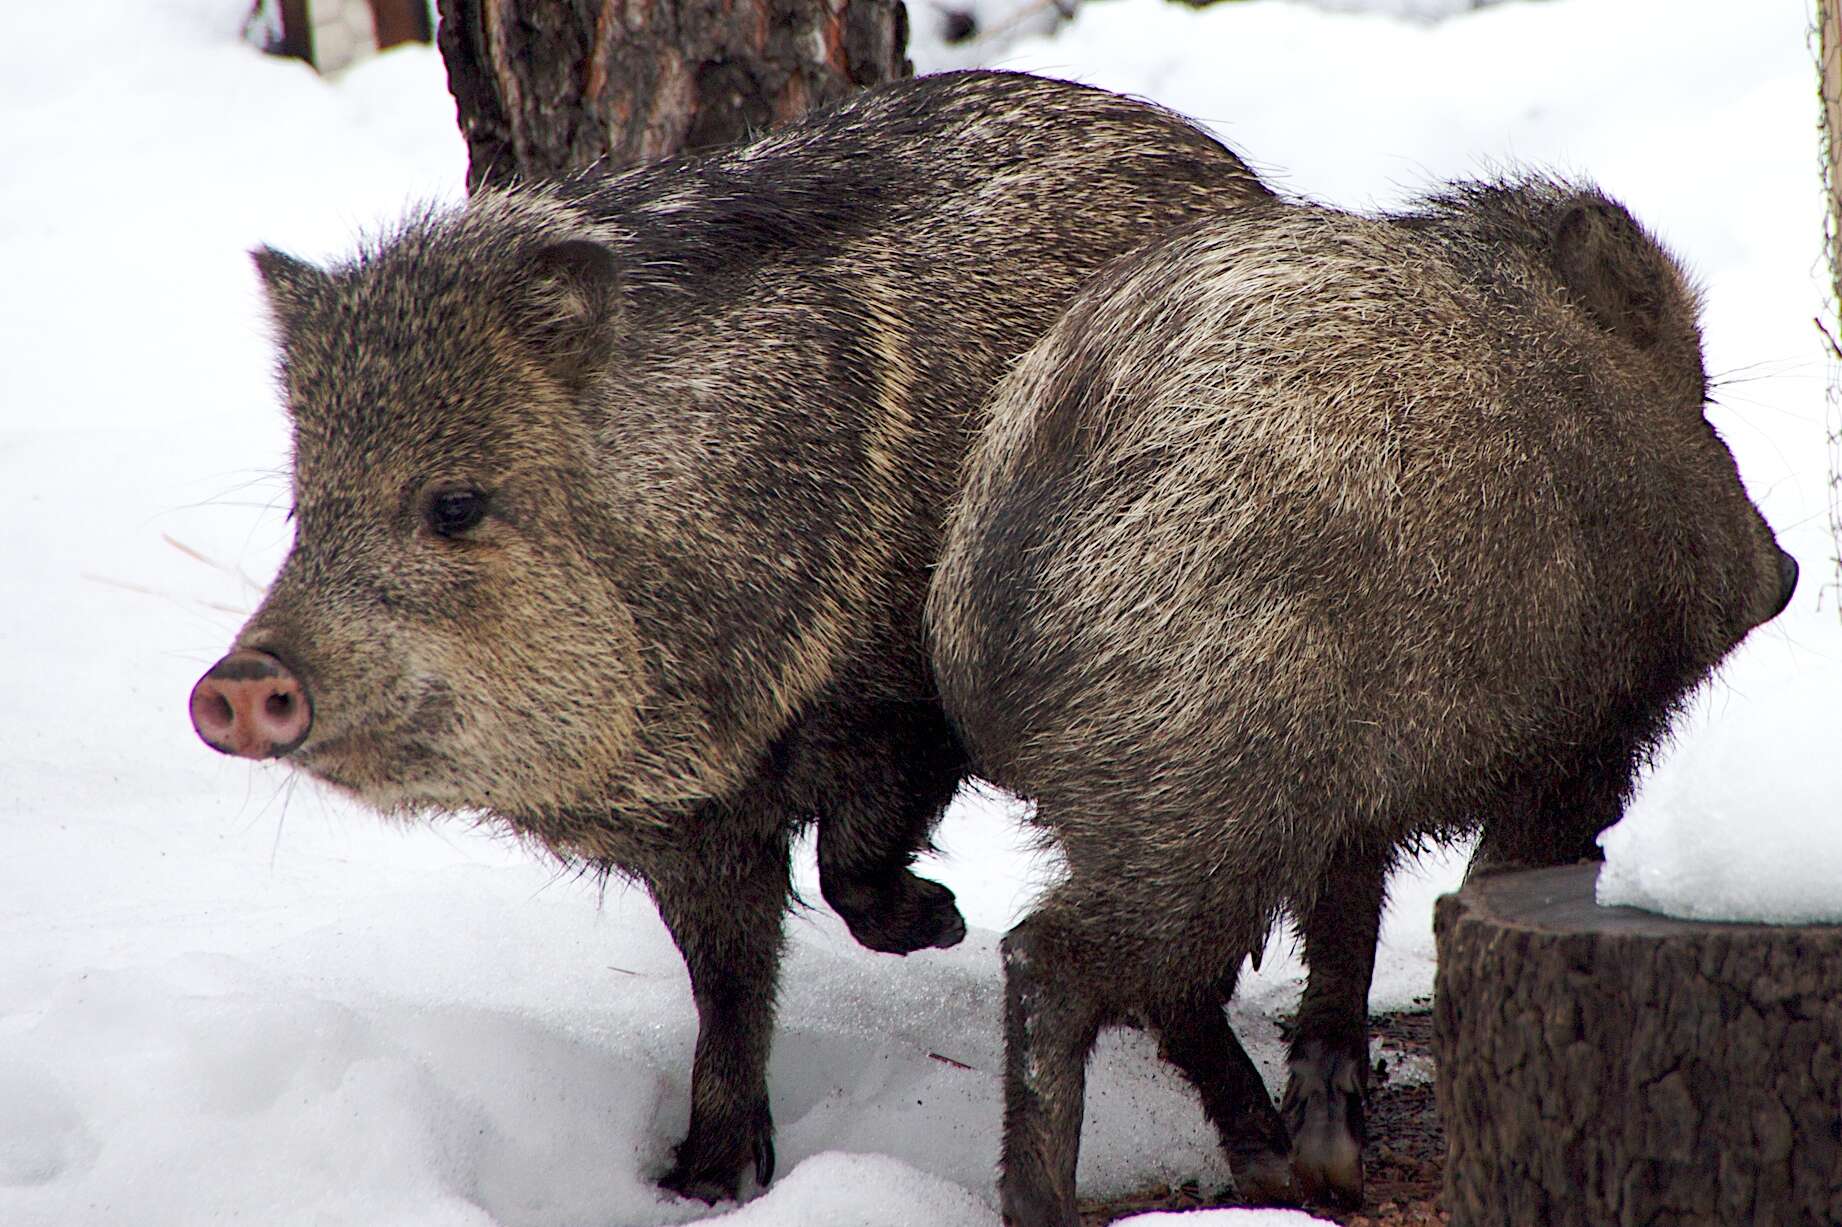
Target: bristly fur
{"points": [[716, 409], [1300, 538]]}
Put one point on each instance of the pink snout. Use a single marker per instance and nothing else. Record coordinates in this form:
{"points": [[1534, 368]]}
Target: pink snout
{"points": [[248, 704]]}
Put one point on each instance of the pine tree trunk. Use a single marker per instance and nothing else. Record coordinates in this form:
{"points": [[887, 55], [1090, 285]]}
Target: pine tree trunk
{"points": [[1605, 1066], [545, 87]]}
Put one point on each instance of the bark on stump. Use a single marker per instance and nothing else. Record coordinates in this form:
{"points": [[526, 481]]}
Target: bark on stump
{"points": [[546, 87], [1602, 1066]]}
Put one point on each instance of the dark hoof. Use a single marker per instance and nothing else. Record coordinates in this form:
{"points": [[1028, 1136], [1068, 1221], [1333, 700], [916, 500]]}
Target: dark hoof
{"points": [[689, 1184], [1323, 1110], [1035, 1207], [896, 913], [713, 1173], [1265, 1179]]}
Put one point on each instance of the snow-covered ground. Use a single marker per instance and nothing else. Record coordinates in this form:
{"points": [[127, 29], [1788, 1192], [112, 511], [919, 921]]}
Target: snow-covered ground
{"points": [[224, 995]]}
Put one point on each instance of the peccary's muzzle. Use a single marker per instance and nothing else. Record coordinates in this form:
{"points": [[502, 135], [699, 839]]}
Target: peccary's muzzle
{"points": [[1787, 583], [250, 705]]}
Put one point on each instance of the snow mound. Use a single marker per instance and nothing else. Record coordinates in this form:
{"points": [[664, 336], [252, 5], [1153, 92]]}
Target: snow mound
{"points": [[1221, 1218], [1745, 822], [295, 1108], [834, 1189]]}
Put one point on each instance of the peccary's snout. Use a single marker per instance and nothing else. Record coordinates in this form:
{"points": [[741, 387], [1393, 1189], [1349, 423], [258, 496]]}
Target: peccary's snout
{"points": [[250, 705], [1787, 581]]}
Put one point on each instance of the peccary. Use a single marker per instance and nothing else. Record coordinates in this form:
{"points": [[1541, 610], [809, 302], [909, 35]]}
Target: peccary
{"points": [[615, 501], [1301, 538]]}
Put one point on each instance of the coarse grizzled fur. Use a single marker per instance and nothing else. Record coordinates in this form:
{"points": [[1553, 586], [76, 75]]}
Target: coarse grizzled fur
{"points": [[1301, 538], [710, 413]]}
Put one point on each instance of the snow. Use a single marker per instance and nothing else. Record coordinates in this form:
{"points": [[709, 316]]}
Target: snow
{"points": [[224, 994], [1221, 1218], [1741, 824]]}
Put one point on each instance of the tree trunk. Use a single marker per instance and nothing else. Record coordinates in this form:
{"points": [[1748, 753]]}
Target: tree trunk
{"points": [[546, 87], [1603, 1066], [1829, 53]]}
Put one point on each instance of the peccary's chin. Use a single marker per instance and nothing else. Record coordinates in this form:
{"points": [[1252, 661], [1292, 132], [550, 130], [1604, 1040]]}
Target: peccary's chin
{"points": [[437, 767], [1761, 579], [369, 775]]}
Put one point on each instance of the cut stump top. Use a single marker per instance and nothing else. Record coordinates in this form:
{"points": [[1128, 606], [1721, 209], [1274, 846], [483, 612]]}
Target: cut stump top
{"points": [[1561, 900], [1609, 1067]]}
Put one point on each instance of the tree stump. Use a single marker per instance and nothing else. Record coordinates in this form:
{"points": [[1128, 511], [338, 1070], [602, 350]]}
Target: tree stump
{"points": [[1602, 1066], [546, 87]]}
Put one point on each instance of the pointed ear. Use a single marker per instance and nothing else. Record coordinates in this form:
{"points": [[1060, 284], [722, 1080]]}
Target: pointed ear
{"points": [[571, 299], [1613, 270], [291, 284]]}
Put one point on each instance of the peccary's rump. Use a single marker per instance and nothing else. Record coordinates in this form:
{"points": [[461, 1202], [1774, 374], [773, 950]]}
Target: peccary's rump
{"points": [[615, 501], [1300, 538]]}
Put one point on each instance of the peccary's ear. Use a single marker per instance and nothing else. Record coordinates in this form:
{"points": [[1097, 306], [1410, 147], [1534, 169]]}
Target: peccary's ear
{"points": [[570, 301], [1613, 270], [290, 284]]}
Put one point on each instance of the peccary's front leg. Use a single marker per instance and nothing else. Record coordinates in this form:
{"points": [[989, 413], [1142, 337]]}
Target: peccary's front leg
{"points": [[1050, 1023], [1329, 1062], [725, 905], [1196, 1038], [905, 763], [1557, 817]]}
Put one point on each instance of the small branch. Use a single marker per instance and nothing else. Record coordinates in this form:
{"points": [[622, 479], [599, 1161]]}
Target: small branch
{"points": [[934, 1056], [1834, 348]]}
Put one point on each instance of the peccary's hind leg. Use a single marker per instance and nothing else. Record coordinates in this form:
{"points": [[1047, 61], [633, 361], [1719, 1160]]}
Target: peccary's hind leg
{"points": [[1196, 1038], [1328, 1068], [724, 900], [901, 779], [1050, 1021]]}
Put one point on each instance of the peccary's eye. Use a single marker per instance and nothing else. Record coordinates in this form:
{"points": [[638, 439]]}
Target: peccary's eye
{"points": [[453, 512]]}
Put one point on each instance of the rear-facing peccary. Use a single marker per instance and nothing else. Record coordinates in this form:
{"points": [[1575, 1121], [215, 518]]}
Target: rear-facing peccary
{"points": [[615, 501], [1301, 538]]}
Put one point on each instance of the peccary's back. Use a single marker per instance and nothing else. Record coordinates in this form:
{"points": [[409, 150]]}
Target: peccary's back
{"points": [[914, 241], [1309, 513]]}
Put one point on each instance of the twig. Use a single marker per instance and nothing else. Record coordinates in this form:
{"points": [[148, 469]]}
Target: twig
{"points": [[1828, 336], [934, 1056]]}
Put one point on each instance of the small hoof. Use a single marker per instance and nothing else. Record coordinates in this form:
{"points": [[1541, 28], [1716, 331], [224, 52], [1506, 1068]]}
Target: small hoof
{"points": [[1323, 1111], [694, 1187], [899, 913], [1036, 1208], [1265, 1180], [1328, 1168], [710, 1175], [949, 929]]}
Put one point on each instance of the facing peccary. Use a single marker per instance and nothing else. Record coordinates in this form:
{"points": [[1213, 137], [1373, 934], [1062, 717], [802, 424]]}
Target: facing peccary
{"points": [[1300, 538], [615, 502]]}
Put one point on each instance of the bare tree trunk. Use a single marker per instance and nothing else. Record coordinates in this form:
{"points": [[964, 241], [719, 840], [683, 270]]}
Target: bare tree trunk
{"points": [[1829, 48], [545, 87]]}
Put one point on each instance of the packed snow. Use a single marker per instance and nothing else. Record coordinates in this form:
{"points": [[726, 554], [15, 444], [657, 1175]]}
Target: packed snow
{"points": [[225, 994]]}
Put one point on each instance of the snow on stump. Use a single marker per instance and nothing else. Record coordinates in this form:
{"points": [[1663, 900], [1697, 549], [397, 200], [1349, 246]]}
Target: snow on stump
{"points": [[1606, 1066]]}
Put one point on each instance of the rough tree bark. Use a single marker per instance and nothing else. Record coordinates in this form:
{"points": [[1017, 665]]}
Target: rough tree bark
{"points": [[1829, 52], [545, 87], [1605, 1066], [1829, 69]]}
